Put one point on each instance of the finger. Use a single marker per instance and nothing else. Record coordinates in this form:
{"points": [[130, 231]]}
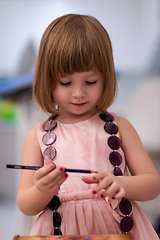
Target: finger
{"points": [[58, 182], [102, 175], [43, 171], [90, 179], [111, 190], [94, 178], [120, 194], [53, 187], [52, 180], [103, 184], [53, 176]]}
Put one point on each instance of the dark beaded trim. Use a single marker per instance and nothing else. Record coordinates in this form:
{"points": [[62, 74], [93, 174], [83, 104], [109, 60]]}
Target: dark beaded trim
{"points": [[54, 205], [51, 117], [50, 153], [107, 117], [115, 158]]}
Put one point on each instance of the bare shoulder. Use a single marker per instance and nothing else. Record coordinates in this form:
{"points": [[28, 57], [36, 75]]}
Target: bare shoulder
{"points": [[130, 140], [31, 156], [31, 138], [31, 148], [32, 133], [136, 157], [126, 128], [123, 122]]}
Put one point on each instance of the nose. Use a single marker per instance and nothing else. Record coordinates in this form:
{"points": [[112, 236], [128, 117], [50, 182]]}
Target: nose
{"points": [[78, 92]]}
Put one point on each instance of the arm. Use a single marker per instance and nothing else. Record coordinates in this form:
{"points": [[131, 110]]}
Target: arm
{"points": [[144, 184], [37, 187]]}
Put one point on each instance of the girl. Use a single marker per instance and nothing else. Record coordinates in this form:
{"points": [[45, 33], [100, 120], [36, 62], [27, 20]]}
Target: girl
{"points": [[75, 82]]}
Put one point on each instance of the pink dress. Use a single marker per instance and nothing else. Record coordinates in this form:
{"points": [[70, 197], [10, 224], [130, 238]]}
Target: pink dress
{"points": [[84, 145]]}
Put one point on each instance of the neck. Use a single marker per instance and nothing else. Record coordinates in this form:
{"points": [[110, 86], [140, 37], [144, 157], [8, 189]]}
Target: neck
{"points": [[74, 118]]}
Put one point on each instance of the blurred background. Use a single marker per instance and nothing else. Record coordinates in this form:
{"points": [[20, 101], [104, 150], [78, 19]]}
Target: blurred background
{"points": [[134, 28]]}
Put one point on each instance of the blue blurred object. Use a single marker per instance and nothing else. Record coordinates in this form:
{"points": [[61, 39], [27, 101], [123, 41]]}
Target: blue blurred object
{"points": [[10, 87]]}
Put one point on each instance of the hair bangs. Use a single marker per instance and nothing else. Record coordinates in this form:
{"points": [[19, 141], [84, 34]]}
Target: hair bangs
{"points": [[76, 51], [74, 58]]}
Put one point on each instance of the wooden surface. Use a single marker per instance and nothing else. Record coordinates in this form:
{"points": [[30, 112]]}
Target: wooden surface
{"points": [[78, 237]]}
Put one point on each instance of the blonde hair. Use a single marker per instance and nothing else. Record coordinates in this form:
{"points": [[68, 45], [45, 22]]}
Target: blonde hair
{"points": [[73, 43]]}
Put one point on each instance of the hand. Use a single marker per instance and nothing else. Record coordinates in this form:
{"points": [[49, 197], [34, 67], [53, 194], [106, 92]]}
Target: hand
{"points": [[48, 179], [113, 186]]}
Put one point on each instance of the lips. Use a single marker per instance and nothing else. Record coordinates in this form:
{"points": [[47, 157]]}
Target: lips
{"points": [[79, 104]]}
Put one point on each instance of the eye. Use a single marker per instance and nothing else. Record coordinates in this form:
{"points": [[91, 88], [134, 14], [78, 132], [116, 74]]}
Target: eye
{"points": [[91, 82], [65, 83]]}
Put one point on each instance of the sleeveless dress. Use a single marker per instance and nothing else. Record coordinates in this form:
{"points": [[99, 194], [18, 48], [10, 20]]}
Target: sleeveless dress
{"points": [[84, 145]]}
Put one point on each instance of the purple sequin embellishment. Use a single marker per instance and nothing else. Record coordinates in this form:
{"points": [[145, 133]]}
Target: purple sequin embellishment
{"points": [[54, 203], [125, 206], [126, 224], [115, 158], [56, 219], [50, 125], [57, 231], [117, 171], [114, 142], [49, 153], [107, 117], [111, 128], [49, 138]]}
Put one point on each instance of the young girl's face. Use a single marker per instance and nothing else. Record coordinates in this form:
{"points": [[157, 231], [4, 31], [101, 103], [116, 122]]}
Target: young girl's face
{"points": [[77, 94]]}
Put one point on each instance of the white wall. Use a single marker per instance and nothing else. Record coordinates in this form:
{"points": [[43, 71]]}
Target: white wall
{"points": [[132, 25]]}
